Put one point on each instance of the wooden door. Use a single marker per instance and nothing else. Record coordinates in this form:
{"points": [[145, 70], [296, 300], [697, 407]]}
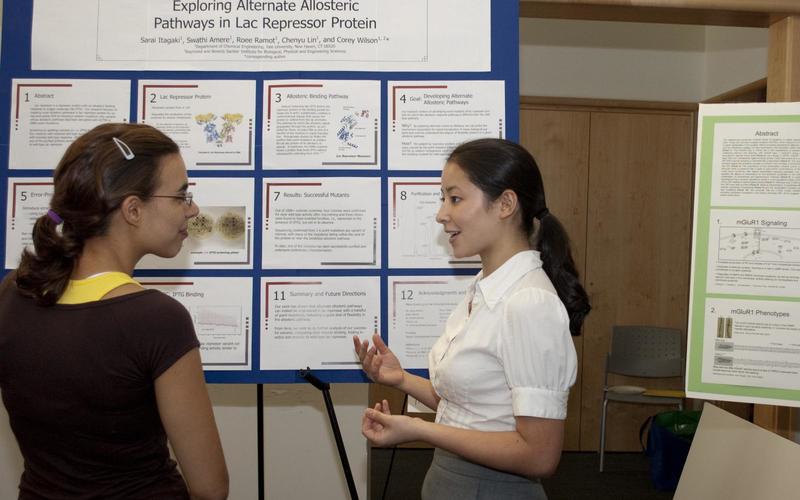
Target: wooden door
{"points": [[559, 140], [638, 249], [619, 176]]}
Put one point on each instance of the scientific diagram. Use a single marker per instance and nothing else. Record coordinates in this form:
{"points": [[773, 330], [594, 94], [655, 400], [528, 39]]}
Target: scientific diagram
{"points": [[759, 244]]}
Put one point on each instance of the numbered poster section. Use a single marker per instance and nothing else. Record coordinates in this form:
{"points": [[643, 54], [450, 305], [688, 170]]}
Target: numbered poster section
{"points": [[27, 200], [427, 119], [221, 312], [211, 120], [416, 240], [309, 322], [322, 223], [221, 236], [752, 343], [48, 114], [322, 124], [418, 310]]}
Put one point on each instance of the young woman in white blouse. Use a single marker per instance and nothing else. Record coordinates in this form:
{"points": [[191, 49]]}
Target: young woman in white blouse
{"points": [[500, 374]]}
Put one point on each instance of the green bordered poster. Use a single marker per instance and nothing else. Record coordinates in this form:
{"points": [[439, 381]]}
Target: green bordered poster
{"points": [[744, 316]]}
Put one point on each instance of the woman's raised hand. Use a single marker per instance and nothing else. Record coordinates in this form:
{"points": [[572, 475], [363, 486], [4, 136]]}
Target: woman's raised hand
{"points": [[379, 362]]}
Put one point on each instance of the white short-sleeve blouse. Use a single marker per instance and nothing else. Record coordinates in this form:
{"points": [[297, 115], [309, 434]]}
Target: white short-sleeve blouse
{"points": [[510, 355]]}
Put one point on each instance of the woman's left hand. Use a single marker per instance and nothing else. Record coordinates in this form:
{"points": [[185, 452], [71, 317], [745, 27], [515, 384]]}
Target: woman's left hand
{"points": [[384, 429]]}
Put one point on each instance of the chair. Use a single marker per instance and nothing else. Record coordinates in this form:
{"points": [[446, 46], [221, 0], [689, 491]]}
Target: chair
{"points": [[640, 351]]}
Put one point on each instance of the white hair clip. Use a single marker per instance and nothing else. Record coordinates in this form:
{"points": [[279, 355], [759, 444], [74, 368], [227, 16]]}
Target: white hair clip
{"points": [[124, 149]]}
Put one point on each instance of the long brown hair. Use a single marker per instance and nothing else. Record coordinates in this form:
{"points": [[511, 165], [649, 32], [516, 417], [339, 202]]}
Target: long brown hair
{"points": [[92, 179], [495, 165]]}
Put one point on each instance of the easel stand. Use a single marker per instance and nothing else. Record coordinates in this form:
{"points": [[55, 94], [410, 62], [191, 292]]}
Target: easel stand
{"points": [[326, 394]]}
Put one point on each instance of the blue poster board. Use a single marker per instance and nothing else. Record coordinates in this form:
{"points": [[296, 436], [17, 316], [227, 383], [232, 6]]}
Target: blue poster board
{"points": [[16, 63]]}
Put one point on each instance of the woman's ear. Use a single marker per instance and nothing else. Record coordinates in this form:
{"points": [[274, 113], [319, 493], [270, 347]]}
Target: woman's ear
{"points": [[132, 211], [507, 203]]}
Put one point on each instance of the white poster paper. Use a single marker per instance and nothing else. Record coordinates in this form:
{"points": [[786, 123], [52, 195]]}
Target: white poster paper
{"points": [[48, 114], [744, 315], [221, 310], [221, 236], [254, 35], [309, 322], [211, 120], [427, 119], [418, 310], [416, 240], [27, 200], [322, 124], [322, 223]]}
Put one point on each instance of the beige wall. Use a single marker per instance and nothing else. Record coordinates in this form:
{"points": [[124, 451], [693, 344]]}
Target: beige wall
{"points": [[659, 62], [734, 57]]}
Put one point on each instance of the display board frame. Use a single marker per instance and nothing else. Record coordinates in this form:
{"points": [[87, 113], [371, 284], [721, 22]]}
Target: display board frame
{"points": [[16, 64]]}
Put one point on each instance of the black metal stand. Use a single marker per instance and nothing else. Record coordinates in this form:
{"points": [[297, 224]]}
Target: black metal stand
{"points": [[326, 394]]}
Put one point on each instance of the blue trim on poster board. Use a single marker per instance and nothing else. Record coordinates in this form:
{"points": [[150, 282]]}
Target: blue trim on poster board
{"points": [[15, 63]]}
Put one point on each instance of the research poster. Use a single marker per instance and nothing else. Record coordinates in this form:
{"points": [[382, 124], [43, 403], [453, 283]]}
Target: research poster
{"points": [[221, 235], [48, 114], [314, 133], [211, 120], [322, 124], [427, 119], [309, 322], [221, 312], [744, 320], [27, 199], [322, 223], [416, 239], [257, 35], [418, 310]]}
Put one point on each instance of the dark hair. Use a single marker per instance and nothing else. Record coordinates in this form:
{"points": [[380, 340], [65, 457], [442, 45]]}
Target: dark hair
{"points": [[92, 179], [495, 165]]}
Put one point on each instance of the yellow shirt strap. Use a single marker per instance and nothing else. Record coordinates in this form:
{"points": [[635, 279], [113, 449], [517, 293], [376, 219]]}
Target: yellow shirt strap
{"points": [[94, 287]]}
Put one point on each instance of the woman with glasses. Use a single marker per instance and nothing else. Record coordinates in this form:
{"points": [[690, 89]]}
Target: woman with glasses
{"points": [[96, 372]]}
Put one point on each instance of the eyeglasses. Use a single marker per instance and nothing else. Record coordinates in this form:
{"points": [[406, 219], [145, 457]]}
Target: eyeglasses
{"points": [[187, 198]]}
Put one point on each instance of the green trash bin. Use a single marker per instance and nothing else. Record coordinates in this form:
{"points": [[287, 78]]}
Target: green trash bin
{"points": [[668, 444]]}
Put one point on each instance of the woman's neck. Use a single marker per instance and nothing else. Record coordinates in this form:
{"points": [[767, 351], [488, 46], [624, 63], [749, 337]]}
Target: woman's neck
{"points": [[103, 254], [494, 257]]}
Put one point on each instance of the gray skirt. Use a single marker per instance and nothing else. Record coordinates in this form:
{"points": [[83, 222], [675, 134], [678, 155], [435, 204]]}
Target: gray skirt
{"points": [[452, 477]]}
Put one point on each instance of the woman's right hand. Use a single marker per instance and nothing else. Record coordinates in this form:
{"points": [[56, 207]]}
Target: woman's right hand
{"points": [[379, 362]]}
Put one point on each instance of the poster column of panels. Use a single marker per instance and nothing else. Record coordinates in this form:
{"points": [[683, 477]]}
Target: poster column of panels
{"points": [[744, 323], [220, 237]]}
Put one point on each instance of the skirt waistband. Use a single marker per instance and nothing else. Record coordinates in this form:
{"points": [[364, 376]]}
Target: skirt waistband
{"points": [[455, 463]]}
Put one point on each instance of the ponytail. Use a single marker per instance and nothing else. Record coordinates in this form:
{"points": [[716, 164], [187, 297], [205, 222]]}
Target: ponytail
{"points": [[554, 249], [44, 275]]}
